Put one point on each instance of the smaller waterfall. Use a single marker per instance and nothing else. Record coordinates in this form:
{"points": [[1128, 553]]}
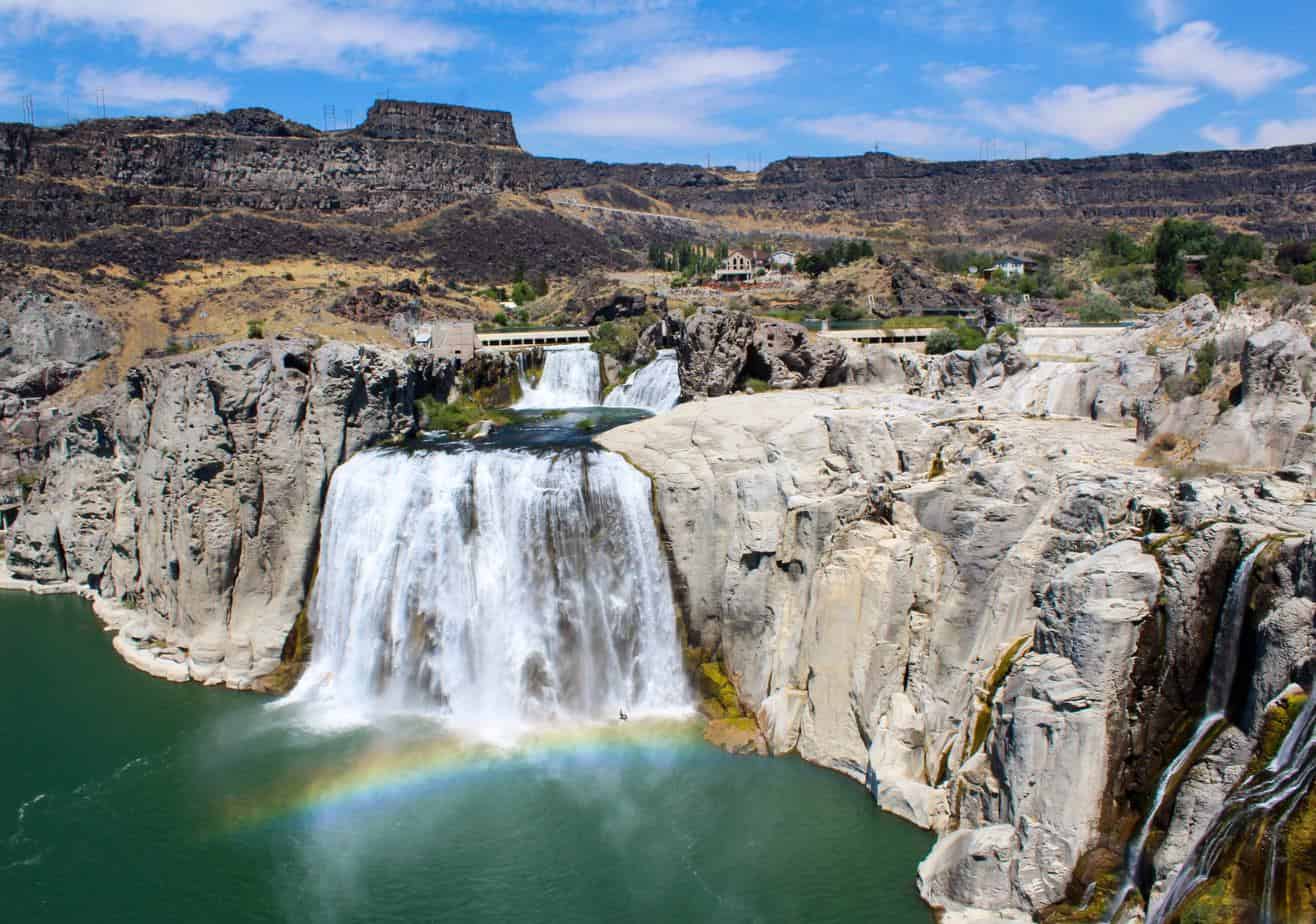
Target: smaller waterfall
{"points": [[656, 387], [1274, 792], [570, 379], [1224, 663]]}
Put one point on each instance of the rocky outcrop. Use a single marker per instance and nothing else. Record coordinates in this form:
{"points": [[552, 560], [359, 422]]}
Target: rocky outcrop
{"points": [[997, 619], [188, 498], [719, 349], [391, 118], [36, 332]]}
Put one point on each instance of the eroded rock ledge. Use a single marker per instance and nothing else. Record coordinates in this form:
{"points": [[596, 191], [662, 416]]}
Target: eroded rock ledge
{"points": [[997, 618], [189, 497]]}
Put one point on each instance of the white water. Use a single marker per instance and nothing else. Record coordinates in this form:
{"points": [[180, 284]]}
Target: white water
{"points": [[1224, 664], [1272, 793], [656, 387], [492, 589], [570, 378]]}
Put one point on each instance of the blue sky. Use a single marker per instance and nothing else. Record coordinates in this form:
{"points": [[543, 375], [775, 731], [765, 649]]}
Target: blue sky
{"points": [[737, 82]]}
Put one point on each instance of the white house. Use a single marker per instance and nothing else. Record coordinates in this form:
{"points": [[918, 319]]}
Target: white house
{"points": [[735, 268], [1011, 267], [783, 259]]}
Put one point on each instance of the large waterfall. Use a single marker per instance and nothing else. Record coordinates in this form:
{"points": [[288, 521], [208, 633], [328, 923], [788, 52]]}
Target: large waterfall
{"points": [[570, 378], [1224, 665], [656, 387], [492, 588]]}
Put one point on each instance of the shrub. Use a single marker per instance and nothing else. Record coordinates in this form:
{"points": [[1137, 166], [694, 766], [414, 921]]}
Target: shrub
{"points": [[1004, 330], [255, 330], [942, 341], [1206, 356], [1100, 309], [844, 311], [288, 276], [500, 319], [1305, 275]]}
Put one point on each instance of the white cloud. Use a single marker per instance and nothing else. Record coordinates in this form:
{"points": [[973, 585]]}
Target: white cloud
{"points": [[1222, 136], [969, 77], [1102, 118], [670, 74], [678, 96], [1164, 13], [1277, 133], [889, 131], [1307, 91], [1195, 54], [142, 88], [312, 34]]}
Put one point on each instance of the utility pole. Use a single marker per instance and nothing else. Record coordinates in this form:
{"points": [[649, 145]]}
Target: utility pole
{"points": [[330, 121], [29, 111], [100, 102]]}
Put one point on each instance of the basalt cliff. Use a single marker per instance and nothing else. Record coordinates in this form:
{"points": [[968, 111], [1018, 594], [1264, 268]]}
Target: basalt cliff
{"points": [[152, 193]]}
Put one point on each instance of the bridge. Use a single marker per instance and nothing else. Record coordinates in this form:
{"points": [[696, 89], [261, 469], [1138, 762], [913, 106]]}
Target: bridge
{"points": [[1040, 340], [516, 341]]}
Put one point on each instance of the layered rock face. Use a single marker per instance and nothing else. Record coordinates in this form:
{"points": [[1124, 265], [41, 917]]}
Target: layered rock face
{"points": [[1042, 191], [189, 498], [391, 118], [961, 585]]}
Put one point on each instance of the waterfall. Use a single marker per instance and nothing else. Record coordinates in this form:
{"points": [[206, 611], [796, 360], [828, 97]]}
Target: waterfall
{"points": [[492, 588], [656, 387], [570, 379], [1224, 663], [1273, 792]]}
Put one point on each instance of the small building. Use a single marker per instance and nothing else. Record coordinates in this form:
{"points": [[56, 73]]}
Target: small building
{"points": [[783, 260], [735, 268], [1012, 267], [448, 339]]}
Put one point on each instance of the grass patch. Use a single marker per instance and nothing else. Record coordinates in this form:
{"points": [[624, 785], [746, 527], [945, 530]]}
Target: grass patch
{"points": [[458, 416]]}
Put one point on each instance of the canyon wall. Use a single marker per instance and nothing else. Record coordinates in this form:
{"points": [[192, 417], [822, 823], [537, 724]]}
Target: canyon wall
{"points": [[410, 158], [188, 498]]}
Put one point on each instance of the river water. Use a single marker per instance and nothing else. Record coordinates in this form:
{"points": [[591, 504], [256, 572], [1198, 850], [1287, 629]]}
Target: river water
{"points": [[453, 752]]}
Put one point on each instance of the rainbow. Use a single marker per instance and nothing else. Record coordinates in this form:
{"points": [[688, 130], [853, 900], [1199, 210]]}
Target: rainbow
{"points": [[394, 772]]}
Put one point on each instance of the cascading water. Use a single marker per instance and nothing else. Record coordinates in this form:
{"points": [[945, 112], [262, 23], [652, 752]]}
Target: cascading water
{"points": [[656, 387], [570, 378], [492, 587], [1273, 793], [1224, 663]]}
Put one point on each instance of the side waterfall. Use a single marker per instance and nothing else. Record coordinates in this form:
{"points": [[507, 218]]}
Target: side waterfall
{"points": [[493, 588], [570, 379], [656, 387], [1224, 664], [1272, 793]]}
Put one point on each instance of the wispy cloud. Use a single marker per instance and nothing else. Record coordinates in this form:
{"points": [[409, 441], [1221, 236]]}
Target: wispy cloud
{"points": [[1102, 118], [890, 131], [1271, 134], [311, 34], [1307, 91], [969, 77], [133, 88], [1222, 136], [1196, 54], [1163, 13], [679, 96]]}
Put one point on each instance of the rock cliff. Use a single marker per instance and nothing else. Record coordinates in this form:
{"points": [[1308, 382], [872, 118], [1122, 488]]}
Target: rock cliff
{"points": [[188, 499], [963, 585]]}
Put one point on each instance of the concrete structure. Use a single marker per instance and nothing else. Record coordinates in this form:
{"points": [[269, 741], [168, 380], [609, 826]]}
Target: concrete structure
{"points": [[449, 339], [514, 341]]}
